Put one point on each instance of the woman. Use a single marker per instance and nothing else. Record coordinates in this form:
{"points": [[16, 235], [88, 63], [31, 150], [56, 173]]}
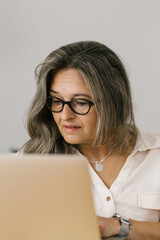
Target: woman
{"points": [[83, 105]]}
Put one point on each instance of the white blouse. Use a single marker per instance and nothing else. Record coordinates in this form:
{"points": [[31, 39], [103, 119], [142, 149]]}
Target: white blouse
{"points": [[136, 191]]}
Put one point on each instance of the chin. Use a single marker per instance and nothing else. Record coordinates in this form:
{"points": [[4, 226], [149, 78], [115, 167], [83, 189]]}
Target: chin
{"points": [[72, 141]]}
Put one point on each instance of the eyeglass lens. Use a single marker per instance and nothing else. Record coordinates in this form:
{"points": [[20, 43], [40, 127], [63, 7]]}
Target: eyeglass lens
{"points": [[79, 105]]}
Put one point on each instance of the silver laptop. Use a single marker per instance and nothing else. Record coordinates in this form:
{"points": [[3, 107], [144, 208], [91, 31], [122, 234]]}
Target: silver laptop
{"points": [[46, 197]]}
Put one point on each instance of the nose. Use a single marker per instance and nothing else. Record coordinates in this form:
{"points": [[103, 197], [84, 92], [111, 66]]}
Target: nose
{"points": [[67, 113]]}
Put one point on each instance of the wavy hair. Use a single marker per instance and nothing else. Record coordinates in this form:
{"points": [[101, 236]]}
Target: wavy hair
{"points": [[107, 81]]}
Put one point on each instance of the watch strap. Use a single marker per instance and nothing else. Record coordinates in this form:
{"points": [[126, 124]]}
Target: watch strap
{"points": [[125, 225]]}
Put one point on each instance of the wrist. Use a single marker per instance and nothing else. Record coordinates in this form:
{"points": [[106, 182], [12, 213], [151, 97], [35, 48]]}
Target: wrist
{"points": [[117, 226], [125, 225]]}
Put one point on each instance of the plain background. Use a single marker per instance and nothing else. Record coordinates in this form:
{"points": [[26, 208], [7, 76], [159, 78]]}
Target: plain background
{"points": [[31, 29]]}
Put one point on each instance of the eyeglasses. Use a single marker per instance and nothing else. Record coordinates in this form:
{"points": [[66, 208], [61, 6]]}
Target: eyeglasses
{"points": [[79, 105]]}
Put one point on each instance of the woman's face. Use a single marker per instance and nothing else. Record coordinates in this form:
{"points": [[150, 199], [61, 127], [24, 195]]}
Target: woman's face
{"points": [[75, 129]]}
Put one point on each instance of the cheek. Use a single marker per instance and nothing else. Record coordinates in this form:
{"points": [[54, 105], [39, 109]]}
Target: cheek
{"points": [[92, 121], [55, 117], [93, 124]]}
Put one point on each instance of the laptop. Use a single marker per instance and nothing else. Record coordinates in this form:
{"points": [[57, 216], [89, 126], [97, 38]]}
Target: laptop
{"points": [[46, 197]]}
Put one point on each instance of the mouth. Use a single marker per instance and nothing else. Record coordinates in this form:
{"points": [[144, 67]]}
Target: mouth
{"points": [[71, 128]]}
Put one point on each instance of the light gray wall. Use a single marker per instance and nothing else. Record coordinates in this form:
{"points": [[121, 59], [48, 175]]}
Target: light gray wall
{"points": [[31, 29]]}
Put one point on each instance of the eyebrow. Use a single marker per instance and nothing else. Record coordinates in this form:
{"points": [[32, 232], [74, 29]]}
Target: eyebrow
{"points": [[75, 95]]}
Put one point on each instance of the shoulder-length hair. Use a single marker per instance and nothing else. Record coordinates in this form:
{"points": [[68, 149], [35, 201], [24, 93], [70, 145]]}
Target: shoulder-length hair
{"points": [[107, 81]]}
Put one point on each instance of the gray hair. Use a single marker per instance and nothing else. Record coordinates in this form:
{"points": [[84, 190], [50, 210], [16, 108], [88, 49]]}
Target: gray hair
{"points": [[107, 81]]}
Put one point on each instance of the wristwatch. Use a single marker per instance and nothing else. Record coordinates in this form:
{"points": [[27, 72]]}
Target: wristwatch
{"points": [[125, 225]]}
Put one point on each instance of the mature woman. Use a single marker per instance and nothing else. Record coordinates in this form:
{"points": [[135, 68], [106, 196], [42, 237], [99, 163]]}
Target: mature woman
{"points": [[83, 105]]}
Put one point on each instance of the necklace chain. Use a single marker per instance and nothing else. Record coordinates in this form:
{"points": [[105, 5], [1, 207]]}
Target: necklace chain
{"points": [[98, 166], [101, 159]]}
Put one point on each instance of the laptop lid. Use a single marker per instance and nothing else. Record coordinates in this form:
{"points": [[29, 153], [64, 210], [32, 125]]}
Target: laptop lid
{"points": [[46, 197]]}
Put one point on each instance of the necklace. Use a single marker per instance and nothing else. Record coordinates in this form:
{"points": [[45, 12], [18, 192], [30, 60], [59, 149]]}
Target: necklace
{"points": [[98, 164]]}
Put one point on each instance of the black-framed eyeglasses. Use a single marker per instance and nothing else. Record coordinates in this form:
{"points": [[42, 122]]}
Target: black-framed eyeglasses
{"points": [[78, 105]]}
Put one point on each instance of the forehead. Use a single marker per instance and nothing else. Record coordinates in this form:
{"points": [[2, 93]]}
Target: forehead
{"points": [[68, 79]]}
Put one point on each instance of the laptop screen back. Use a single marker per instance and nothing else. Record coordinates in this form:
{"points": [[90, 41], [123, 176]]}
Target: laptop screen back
{"points": [[46, 197]]}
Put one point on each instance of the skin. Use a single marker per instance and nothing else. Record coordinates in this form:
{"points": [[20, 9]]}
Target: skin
{"points": [[75, 129], [80, 130]]}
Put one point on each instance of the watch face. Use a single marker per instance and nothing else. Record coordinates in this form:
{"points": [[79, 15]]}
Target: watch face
{"points": [[117, 216]]}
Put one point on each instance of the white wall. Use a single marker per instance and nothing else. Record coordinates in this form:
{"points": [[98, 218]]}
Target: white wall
{"points": [[31, 29]]}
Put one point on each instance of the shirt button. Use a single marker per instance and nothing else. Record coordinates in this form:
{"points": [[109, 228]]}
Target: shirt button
{"points": [[108, 198]]}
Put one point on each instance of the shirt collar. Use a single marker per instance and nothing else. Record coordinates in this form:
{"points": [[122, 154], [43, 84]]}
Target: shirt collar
{"points": [[146, 141]]}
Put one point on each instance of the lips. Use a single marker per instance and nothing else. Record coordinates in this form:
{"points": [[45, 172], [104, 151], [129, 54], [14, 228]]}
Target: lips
{"points": [[71, 128]]}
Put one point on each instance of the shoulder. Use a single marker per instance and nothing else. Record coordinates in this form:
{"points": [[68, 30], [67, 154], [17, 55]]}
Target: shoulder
{"points": [[148, 141], [148, 147], [152, 139]]}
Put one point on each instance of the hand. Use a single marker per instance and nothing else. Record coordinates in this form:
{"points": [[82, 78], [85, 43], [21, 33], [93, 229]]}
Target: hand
{"points": [[108, 226]]}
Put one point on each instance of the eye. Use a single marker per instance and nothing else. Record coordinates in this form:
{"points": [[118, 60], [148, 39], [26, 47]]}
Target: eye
{"points": [[80, 102], [56, 101]]}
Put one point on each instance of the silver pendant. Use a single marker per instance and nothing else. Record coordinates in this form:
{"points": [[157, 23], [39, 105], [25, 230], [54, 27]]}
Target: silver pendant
{"points": [[99, 167]]}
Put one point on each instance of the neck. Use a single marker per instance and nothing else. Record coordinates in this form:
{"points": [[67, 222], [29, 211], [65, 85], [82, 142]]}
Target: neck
{"points": [[94, 153]]}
